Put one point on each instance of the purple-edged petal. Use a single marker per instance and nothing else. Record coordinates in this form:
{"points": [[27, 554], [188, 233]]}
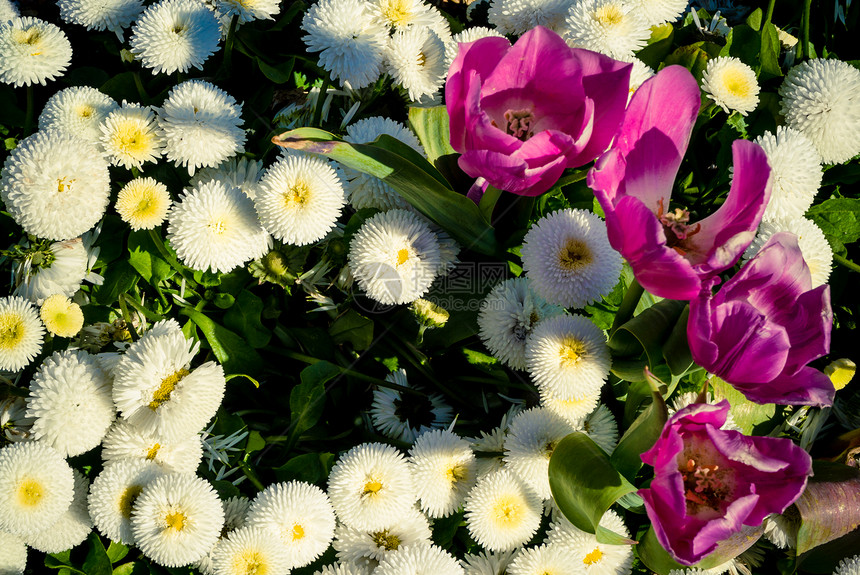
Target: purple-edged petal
{"points": [[807, 386], [481, 133], [652, 165], [716, 530], [809, 328], [726, 233]]}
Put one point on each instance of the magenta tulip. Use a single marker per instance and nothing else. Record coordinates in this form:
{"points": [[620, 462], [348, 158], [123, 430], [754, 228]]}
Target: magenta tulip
{"points": [[709, 482], [520, 115], [764, 325], [669, 254]]}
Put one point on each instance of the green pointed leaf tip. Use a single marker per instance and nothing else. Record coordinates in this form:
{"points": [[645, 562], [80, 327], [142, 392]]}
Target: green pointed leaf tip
{"points": [[829, 507], [433, 131], [584, 485]]}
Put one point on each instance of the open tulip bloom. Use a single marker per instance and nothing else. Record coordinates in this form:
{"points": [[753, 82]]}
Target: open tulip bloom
{"points": [[670, 255], [709, 482], [764, 325], [520, 115]]}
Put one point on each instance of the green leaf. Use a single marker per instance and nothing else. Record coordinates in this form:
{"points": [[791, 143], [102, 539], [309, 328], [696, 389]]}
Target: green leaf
{"points": [[255, 442], [829, 507], [131, 568], [431, 127], [116, 551], [745, 45], [647, 332], [354, 328], [693, 57], [307, 399], [97, 561], [231, 350], [746, 414], [584, 485], [309, 467], [295, 7], [418, 183], [279, 73], [143, 257], [120, 277], [121, 87], [659, 45], [246, 376], [839, 219], [244, 319], [754, 19], [769, 55], [676, 350], [641, 435], [61, 560], [225, 489]]}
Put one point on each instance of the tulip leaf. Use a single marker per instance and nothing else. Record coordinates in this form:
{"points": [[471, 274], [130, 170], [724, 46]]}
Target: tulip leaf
{"points": [[829, 507], [641, 435], [647, 332], [410, 175], [746, 414], [676, 350], [431, 126], [584, 485], [839, 219], [660, 561], [769, 55]]}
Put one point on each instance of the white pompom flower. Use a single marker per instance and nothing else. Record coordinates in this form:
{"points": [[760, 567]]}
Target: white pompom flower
{"points": [[416, 61], [795, 172], [516, 17], [585, 554], [656, 12], [568, 259], [216, 227], [79, 110], [611, 27], [445, 470], [71, 528], [63, 275], [419, 560], [32, 51], [21, 333], [502, 513], [55, 185], [175, 35], [131, 136], [249, 10], [113, 494], [249, 550], [13, 553], [731, 84], [125, 441], [143, 203], [113, 15], [367, 547]]}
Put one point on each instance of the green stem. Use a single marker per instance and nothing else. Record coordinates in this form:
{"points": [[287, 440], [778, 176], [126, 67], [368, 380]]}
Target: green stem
{"points": [[807, 11], [628, 305], [843, 261], [769, 15], [138, 83], [320, 102], [28, 119], [127, 317], [246, 469], [227, 62], [169, 258]]}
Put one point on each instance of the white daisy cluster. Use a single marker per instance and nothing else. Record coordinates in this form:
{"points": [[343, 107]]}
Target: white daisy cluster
{"points": [[359, 40]]}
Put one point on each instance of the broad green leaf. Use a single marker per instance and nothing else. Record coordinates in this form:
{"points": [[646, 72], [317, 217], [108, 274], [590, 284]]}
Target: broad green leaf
{"points": [[116, 551], [143, 256], [746, 414], [754, 19], [694, 57], [131, 568], [829, 507], [231, 350], [309, 467], [120, 277], [354, 328], [769, 55], [431, 127], [97, 561], [658, 559], [647, 332], [745, 45], [244, 319], [641, 435], [584, 485], [61, 561], [488, 202], [308, 398], [839, 219], [676, 350], [225, 489], [279, 73], [421, 186], [255, 442], [659, 45]]}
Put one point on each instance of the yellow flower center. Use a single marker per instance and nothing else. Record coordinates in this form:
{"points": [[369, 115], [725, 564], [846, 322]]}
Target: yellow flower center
{"points": [[457, 472], [736, 83], [86, 111], [217, 227], [132, 139], [62, 316], [153, 451], [143, 203], [506, 511], [609, 15], [593, 557], [127, 499], [30, 492], [385, 539], [575, 255], [298, 532], [397, 12], [298, 194], [372, 487], [249, 562], [11, 330], [402, 256], [571, 352], [175, 520], [63, 185], [168, 384]]}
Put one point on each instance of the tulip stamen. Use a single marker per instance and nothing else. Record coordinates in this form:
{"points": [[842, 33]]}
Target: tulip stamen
{"points": [[676, 227], [520, 124]]}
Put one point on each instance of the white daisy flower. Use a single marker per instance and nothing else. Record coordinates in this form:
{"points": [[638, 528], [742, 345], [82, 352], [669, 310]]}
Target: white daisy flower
{"points": [[78, 110], [36, 487], [201, 125], [573, 411], [371, 486], [395, 257], [8, 10], [215, 227], [392, 410], [781, 530], [541, 560], [113, 15], [176, 519], [612, 27], [238, 171], [350, 38], [124, 441], [532, 437], [13, 553], [848, 566], [143, 203], [601, 427], [299, 515], [55, 185], [444, 468], [568, 259], [493, 443], [131, 136], [502, 512], [815, 248], [584, 552], [342, 569], [656, 12], [175, 35], [300, 199], [419, 560], [366, 191], [487, 562], [404, 14], [731, 84], [568, 356], [368, 547], [235, 513], [516, 17], [70, 400], [60, 271], [508, 315], [795, 172], [249, 10], [416, 61], [21, 333], [155, 390], [71, 528], [13, 419], [821, 99], [250, 550], [61, 316], [452, 46], [32, 51], [114, 493]]}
